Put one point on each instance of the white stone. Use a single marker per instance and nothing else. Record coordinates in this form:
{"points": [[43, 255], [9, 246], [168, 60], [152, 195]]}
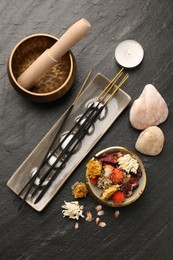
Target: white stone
{"points": [[150, 109], [150, 141]]}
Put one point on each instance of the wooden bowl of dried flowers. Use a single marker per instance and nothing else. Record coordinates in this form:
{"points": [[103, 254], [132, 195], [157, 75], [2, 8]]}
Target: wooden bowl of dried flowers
{"points": [[116, 176]]}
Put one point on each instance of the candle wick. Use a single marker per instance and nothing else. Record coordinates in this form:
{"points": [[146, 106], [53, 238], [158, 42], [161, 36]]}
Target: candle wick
{"points": [[129, 52]]}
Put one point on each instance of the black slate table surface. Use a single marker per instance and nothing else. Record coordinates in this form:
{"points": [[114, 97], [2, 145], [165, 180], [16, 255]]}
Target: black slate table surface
{"points": [[143, 230]]}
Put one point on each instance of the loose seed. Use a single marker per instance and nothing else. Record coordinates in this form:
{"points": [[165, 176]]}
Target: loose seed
{"points": [[98, 208], [102, 224], [76, 225], [117, 213], [100, 213], [97, 220]]}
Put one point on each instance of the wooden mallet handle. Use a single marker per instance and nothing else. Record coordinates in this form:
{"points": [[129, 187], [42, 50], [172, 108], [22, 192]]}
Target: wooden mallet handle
{"points": [[50, 57]]}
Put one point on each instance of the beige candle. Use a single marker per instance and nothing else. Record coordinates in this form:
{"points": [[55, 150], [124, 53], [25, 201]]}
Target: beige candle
{"points": [[50, 57]]}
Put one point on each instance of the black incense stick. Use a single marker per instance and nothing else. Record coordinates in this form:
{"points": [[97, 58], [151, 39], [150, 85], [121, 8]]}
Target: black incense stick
{"points": [[32, 180], [78, 136]]}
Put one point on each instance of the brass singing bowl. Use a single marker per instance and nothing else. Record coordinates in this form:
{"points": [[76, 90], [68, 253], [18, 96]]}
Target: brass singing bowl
{"points": [[55, 83], [96, 192]]}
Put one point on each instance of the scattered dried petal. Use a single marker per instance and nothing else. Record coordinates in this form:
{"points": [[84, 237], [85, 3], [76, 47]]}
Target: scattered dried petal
{"points": [[102, 224], [100, 213], [76, 225], [108, 158], [98, 207], [89, 216], [117, 213]]}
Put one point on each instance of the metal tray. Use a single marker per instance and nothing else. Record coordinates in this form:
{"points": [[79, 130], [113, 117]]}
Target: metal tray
{"points": [[114, 108]]}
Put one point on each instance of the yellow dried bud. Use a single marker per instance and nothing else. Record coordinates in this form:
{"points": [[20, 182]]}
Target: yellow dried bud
{"points": [[79, 190], [94, 168], [107, 193]]}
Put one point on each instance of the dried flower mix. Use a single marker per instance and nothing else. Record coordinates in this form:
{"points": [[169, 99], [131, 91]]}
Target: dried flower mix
{"points": [[79, 190], [72, 210], [116, 174]]}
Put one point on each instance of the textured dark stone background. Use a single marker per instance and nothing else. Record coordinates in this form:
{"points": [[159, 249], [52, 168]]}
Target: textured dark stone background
{"points": [[144, 229]]}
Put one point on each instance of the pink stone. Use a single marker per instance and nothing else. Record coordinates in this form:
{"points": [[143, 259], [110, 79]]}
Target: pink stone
{"points": [[150, 109]]}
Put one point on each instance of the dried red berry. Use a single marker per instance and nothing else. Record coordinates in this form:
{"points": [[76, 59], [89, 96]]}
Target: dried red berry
{"points": [[118, 197], [94, 180]]}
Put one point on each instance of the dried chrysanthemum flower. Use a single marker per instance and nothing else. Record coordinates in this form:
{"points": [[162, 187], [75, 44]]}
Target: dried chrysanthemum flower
{"points": [[94, 168], [72, 210], [128, 163], [79, 190]]}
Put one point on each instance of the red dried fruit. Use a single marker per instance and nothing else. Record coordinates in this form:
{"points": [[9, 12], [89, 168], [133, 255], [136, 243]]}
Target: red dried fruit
{"points": [[117, 176], [118, 197], [94, 180]]}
